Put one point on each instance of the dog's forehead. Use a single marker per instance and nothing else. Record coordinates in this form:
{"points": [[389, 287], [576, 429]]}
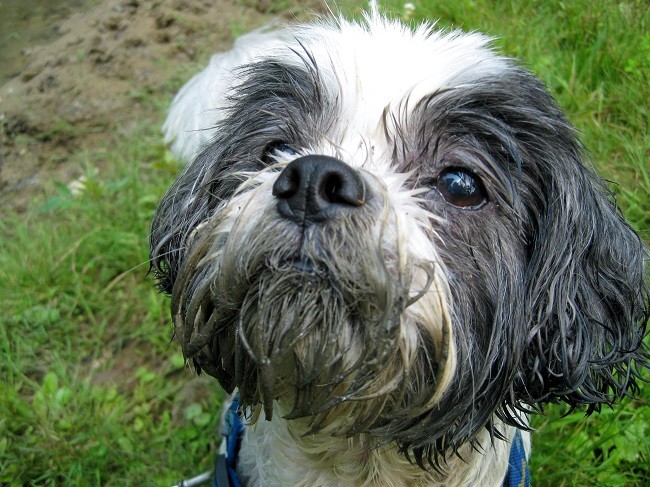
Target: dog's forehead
{"points": [[384, 65]]}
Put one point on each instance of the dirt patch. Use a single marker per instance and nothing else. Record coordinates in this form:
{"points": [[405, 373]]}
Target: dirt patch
{"points": [[80, 90]]}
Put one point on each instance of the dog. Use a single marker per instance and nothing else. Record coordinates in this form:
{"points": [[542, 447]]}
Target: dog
{"points": [[390, 246]]}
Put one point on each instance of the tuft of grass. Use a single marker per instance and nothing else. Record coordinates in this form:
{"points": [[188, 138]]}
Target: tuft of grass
{"points": [[93, 391]]}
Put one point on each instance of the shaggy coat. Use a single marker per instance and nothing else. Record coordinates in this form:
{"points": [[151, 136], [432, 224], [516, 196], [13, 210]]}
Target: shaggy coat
{"points": [[386, 239]]}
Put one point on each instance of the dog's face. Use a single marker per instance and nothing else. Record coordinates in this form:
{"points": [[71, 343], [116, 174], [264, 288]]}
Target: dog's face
{"points": [[393, 233]]}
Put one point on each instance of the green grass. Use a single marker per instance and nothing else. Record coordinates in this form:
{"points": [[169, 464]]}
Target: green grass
{"points": [[89, 380]]}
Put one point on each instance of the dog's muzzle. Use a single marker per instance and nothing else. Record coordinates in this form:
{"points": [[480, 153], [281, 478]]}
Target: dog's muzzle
{"points": [[298, 290], [313, 188]]}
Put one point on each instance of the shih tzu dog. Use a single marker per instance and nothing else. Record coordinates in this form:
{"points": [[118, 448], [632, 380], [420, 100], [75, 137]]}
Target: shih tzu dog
{"points": [[386, 243]]}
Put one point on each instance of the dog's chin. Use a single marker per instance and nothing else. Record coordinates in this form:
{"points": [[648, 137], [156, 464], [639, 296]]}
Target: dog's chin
{"points": [[332, 330], [305, 339]]}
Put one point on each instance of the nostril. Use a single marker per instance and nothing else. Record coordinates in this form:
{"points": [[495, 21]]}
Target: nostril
{"points": [[331, 186], [288, 184], [337, 189]]}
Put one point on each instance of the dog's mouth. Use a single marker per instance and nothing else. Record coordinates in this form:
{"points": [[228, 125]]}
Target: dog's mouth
{"points": [[319, 323]]}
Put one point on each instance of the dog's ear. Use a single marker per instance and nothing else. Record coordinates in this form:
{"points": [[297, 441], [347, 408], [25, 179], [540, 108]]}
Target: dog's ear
{"points": [[587, 300], [197, 108], [185, 205]]}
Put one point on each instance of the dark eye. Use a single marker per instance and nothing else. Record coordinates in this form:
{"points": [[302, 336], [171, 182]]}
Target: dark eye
{"points": [[461, 189], [276, 148]]}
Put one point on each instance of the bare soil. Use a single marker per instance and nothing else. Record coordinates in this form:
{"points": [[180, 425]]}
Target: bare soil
{"points": [[92, 82]]}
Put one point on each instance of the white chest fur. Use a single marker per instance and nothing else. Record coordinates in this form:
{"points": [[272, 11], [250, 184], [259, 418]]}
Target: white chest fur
{"points": [[274, 453]]}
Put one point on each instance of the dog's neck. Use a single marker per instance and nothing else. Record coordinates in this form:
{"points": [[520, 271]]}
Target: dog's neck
{"points": [[276, 453]]}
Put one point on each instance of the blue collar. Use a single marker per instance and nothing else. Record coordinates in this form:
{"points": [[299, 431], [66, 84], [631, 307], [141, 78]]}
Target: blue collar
{"points": [[518, 474], [225, 475]]}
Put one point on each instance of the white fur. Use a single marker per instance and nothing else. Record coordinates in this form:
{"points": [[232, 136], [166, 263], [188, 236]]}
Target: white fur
{"points": [[274, 453], [384, 70], [199, 105]]}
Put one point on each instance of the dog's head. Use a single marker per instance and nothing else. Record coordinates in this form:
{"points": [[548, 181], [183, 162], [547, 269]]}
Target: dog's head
{"points": [[392, 232]]}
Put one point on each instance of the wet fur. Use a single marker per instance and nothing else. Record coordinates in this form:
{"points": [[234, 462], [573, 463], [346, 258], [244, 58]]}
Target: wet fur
{"points": [[418, 326]]}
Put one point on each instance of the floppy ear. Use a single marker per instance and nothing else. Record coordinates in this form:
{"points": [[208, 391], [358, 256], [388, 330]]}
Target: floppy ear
{"points": [[191, 128], [587, 296], [198, 107]]}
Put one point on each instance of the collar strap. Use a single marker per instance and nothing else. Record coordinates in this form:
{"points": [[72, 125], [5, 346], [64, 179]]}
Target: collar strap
{"points": [[225, 472], [518, 474]]}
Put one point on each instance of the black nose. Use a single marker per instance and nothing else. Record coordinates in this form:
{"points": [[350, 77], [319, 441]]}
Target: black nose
{"points": [[316, 187]]}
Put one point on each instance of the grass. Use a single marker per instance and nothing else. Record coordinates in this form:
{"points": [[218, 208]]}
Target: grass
{"points": [[90, 382]]}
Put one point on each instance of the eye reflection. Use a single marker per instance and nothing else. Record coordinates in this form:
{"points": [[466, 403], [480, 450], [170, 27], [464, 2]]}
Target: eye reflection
{"points": [[460, 188], [274, 149]]}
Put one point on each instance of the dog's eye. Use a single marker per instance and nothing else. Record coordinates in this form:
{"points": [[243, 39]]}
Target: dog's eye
{"points": [[461, 189], [274, 149]]}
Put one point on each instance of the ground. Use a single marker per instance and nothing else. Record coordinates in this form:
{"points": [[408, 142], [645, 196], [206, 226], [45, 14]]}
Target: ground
{"points": [[90, 82]]}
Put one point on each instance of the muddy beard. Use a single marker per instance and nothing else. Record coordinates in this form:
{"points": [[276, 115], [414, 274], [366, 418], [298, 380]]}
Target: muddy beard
{"points": [[319, 325]]}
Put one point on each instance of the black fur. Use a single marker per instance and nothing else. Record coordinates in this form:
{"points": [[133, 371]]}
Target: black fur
{"points": [[275, 102]]}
